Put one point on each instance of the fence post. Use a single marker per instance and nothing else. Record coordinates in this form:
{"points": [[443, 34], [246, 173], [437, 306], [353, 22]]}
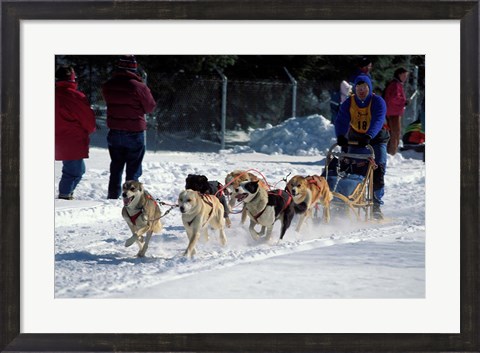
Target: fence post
{"points": [[294, 93], [224, 107]]}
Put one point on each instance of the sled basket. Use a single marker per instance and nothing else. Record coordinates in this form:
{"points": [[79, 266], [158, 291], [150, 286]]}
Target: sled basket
{"points": [[350, 178]]}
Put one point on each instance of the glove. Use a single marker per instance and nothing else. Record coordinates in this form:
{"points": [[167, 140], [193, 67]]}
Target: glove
{"points": [[342, 141], [363, 140]]}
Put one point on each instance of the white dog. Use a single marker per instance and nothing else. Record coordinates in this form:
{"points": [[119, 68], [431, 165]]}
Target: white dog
{"points": [[198, 212]]}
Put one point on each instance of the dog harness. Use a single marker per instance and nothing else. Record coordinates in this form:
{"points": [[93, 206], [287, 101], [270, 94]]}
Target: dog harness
{"points": [[280, 193], [220, 189], [312, 180], [133, 218], [206, 199]]}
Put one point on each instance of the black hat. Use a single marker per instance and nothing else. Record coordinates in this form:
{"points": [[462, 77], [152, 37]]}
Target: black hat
{"points": [[364, 61], [126, 62], [65, 73]]}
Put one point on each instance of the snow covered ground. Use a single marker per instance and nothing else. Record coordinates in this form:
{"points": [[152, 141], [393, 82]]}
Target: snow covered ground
{"points": [[344, 259]]}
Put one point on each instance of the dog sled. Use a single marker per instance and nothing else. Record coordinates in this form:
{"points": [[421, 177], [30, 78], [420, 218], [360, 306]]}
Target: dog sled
{"points": [[350, 178]]}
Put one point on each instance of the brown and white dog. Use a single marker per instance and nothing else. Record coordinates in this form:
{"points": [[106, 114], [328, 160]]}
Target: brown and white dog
{"points": [[142, 214], [198, 212], [233, 181], [307, 192], [265, 208]]}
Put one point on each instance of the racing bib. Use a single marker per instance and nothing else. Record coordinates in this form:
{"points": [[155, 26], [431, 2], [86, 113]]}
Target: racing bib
{"points": [[360, 118]]}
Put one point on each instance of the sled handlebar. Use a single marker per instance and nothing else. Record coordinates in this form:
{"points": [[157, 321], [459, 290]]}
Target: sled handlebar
{"points": [[351, 155]]}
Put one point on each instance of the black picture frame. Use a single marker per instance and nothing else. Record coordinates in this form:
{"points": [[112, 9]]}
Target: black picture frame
{"points": [[13, 12]]}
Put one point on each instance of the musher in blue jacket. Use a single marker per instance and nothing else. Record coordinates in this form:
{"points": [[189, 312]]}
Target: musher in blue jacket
{"points": [[361, 119]]}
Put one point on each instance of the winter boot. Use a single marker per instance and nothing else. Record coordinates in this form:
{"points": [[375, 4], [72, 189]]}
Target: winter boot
{"points": [[65, 197], [377, 212]]}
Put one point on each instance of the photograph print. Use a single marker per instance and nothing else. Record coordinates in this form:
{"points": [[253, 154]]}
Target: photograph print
{"points": [[240, 176]]}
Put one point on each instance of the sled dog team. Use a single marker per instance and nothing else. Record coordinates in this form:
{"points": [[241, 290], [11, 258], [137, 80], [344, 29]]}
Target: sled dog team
{"points": [[203, 204]]}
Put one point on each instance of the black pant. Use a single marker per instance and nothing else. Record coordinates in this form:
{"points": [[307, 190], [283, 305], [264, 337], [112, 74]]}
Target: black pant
{"points": [[125, 148]]}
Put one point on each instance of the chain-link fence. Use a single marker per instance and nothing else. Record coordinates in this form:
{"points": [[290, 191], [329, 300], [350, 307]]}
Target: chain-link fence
{"points": [[192, 107], [189, 106]]}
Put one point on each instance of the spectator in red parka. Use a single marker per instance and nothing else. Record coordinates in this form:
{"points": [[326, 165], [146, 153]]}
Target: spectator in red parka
{"points": [[74, 122], [128, 100], [396, 101]]}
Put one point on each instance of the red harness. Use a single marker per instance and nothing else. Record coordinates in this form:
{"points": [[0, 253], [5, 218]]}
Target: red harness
{"points": [[136, 215], [312, 180], [133, 218]]}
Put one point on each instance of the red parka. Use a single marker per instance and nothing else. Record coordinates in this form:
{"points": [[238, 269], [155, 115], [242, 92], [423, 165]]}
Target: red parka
{"points": [[395, 98], [128, 100], [74, 122]]}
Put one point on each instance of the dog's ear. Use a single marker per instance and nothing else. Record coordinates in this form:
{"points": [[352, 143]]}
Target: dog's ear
{"points": [[251, 186], [188, 180], [180, 196], [203, 179], [140, 187]]}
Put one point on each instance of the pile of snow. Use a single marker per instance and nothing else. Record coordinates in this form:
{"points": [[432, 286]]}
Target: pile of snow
{"points": [[308, 136]]}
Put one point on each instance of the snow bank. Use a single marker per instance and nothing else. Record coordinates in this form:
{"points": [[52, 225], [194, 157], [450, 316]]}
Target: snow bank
{"points": [[308, 136]]}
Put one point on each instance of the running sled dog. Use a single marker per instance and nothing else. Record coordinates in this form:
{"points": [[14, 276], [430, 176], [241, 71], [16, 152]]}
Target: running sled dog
{"points": [[199, 211], [201, 184], [265, 208], [142, 214], [233, 181], [307, 192]]}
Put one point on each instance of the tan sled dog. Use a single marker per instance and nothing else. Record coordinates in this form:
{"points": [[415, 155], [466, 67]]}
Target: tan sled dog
{"points": [[233, 181], [142, 214], [306, 193], [198, 212]]}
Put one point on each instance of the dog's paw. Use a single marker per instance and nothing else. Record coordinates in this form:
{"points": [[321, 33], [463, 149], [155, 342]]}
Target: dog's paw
{"points": [[228, 222], [223, 240], [271, 241], [255, 235], [130, 241], [274, 242], [189, 253]]}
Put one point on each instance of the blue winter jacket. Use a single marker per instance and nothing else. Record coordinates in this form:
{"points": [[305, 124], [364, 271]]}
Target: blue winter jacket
{"points": [[376, 131]]}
